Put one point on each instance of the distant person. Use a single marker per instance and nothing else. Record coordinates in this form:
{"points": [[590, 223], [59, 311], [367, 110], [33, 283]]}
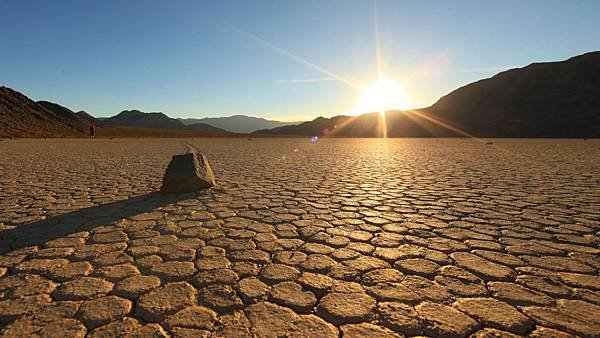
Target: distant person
{"points": [[93, 131]]}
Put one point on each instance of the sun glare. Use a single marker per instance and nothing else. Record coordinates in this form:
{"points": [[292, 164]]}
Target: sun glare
{"points": [[382, 96]]}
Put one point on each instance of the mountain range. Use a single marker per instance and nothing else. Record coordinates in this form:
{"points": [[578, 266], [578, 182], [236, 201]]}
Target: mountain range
{"points": [[239, 123], [550, 99], [139, 119]]}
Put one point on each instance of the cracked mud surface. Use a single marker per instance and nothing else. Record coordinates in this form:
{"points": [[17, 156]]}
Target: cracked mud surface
{"points": [[350, 238]]}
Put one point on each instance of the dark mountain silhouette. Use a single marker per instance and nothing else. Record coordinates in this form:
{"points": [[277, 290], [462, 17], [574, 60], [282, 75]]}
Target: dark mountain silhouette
{"points": [[399, 124], [239, 123], [139, 119], [67, 115], [22, 117], [136, 118], [551, 99]]}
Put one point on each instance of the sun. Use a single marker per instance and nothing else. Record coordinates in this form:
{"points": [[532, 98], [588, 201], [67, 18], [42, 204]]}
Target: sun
{"points": [[381, 96]]}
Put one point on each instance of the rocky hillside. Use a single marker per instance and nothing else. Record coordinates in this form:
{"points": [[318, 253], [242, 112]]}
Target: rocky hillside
{"points": [[553, 99], [22, 117], [74, 120]]}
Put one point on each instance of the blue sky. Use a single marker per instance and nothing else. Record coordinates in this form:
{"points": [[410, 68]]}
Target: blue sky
{"points": [[218, 58]]}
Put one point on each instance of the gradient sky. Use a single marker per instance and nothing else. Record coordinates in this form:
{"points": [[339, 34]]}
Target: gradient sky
{"points": [[218, 58]]}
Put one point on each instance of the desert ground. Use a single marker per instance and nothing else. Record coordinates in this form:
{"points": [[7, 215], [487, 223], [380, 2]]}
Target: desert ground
{"points": [[339, 237]]}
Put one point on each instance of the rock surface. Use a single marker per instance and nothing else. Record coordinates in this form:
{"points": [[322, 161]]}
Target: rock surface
{"points": [[187, 173]]}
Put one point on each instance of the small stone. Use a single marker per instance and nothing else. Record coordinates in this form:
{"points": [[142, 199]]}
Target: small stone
{"points": [[187, 173], [342, 308]]}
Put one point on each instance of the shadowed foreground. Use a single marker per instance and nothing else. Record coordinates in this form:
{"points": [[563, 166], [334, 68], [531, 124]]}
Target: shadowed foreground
{"points": [[368, 238]]}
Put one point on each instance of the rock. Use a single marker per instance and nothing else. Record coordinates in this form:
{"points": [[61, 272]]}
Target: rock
{"points": [[187, 173]]}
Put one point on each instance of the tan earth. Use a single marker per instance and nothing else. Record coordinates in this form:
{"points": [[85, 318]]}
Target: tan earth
{"points": [[341, 237]]}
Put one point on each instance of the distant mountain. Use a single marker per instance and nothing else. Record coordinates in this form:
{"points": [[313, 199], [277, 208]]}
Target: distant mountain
{"points": [[399, 124], [239, 123], [139, 119], [136, 118], [207, 128], [22, 117], [552, 99]]}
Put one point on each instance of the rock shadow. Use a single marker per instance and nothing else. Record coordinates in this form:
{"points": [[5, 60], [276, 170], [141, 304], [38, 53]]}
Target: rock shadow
{"points": [[86, 219]]}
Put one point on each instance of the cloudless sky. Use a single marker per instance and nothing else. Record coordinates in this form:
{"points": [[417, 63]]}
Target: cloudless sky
{"points": [[218, 58]]}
